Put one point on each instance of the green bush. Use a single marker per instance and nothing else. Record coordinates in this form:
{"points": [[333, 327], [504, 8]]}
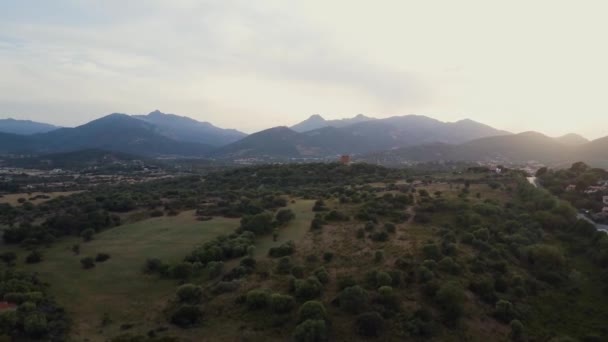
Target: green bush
{"points": [[189, 293], [312, 310], [281, 303], [87, 262], [257, 299], [288, 248], [322, 275], [284, 266], [311, 331], [34, 257], [308, 289], [383, 279], [87, 234], [187, 316], [517, 331], [353, 299], [101, 257]]}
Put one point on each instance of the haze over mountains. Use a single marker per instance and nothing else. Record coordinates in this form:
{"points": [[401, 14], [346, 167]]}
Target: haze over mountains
{"points": [[411, 138]]}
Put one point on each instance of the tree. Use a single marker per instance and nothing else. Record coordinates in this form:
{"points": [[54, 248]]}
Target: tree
{"points": [[504, 311], [259, 224], [284, 216], [87, 234], [189, 293], [369, 324], [87, 263], [308, 289], [311, 331]]}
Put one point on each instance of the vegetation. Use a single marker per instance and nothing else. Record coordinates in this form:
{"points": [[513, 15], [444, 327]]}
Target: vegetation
{"points": [[308, 252]]}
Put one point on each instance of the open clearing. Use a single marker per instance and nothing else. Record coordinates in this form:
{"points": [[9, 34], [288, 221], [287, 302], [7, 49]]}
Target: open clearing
{"points": [[13, 199], [118, 287]]}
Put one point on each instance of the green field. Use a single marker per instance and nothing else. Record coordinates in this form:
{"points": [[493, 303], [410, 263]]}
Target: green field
{"points": [[118, 287]]}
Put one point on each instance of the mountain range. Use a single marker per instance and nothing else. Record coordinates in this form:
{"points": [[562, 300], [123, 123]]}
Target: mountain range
{"points": [[24, 127], [394, 140]]}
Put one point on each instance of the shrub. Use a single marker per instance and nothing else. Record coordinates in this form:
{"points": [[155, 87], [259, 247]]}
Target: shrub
{"points": [[346, 281], [35, 324], [214, 269], [383, 279], [189, 293], [311, 331], [187, 316], [431, 251], [87, 262], [370, 226], [153, 265], [316, 223], [257, 299], [504, 311], [308, 289], [335, 215], [288, 248], [322, 275], [380, 236], [353, 299], [284, 266], [378, 256], [328, 256], [225, 287], [312, 310], [8, 257], [34, 257], [248, 262], [101, 257], [369, 324], [450, 297], [447, 264], [281, 303], [284, 216], [297, 271], [517, 330]]}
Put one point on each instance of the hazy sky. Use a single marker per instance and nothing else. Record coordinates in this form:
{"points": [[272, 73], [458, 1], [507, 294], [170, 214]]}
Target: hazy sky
{"points": [[516, 65]]}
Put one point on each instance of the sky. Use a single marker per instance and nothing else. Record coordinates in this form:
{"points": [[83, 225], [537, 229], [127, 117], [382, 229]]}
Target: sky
{"points": [[517, 65]]}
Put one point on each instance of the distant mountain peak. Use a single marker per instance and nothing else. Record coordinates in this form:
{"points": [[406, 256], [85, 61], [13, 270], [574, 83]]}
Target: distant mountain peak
{"points": [[572, 139], [316, 121]]}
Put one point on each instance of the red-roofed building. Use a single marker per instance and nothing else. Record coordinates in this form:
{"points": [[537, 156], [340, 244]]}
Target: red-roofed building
{"points": [[345, 159]]}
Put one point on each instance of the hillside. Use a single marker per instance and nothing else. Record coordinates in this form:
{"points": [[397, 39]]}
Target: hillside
{"points": [[572, 139], [183, 128], [518, 148], [24, 127]]}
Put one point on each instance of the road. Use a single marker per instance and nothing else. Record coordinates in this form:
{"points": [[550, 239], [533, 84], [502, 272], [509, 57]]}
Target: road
{"points": [[600, 227]]}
